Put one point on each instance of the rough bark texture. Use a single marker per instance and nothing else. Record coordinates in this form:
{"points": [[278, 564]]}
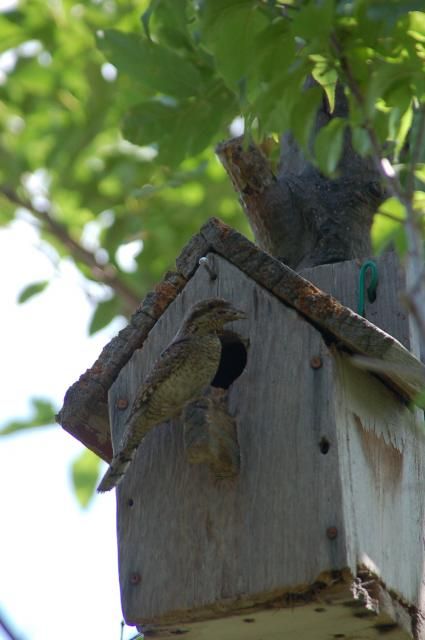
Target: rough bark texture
{"points": [[300, 216]]}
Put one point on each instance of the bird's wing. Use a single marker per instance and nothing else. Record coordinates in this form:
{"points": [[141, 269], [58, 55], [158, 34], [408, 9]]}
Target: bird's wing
{"points": [[172, 358]]}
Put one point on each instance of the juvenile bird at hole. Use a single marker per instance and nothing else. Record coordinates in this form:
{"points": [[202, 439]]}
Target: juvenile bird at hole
{"points": [[183, 370]]}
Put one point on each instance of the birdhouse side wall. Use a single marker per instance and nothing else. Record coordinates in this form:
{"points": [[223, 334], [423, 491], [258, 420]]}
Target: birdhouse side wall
{"points": [[381, 443]]}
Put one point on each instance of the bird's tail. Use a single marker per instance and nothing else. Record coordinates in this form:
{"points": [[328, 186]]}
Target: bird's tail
{"points": [[116, 471]]}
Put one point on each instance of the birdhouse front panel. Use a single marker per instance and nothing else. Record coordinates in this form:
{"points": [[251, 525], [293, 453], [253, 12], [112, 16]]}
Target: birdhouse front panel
{"points": [[193, 545]]}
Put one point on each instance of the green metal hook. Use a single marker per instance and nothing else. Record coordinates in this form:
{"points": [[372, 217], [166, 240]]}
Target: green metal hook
{"points": [[369, 265]]}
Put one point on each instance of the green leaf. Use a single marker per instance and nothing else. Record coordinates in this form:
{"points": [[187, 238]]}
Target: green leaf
{"points": [[11, 34], [146, 16], [328, 145], [150, 64], [401, 131], [32, 290], [104, 314], [170, 24], [314, 21], [387, 228], [303, 114], [149, 122], [417, 25], [420, 172], [361, 141], [419, 201], [415, 132], [183, 129], [230, 30], [85, 473], [275, 52], [7, 209], [42, 415], [326, 78], [388, 81], [202, 121], [394, 208]]}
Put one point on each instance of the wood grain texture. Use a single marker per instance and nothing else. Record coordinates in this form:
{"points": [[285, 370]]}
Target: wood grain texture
{"points": [[202, 546], [381, 447]]}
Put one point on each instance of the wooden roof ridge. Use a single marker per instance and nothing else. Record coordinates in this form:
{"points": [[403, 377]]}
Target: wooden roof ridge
{"points": [[85, 412]]}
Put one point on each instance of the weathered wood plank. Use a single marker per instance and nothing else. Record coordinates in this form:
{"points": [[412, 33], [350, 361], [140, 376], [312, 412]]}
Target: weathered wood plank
{"points": [[381, 451], [193, 547]]}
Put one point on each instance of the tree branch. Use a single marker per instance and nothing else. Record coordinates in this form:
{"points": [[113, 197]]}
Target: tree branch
{"points": [[105, 273]]}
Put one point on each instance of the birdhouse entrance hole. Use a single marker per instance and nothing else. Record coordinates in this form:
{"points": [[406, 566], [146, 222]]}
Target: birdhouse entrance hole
{"points": [[233, 360]]}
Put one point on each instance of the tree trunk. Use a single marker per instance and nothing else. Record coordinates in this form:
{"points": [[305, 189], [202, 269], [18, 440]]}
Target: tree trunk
{"points": [[298, 215]]}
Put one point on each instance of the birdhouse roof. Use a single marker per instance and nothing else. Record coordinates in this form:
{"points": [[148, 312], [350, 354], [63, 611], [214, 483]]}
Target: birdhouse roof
{"points": [[85, 410]]}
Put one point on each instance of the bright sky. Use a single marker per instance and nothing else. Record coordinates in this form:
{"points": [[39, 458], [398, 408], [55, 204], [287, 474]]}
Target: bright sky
{"points": [[58, 563]]}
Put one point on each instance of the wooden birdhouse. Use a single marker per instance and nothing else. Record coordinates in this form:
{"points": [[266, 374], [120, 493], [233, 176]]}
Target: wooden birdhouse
{"points": [[289, 501]]}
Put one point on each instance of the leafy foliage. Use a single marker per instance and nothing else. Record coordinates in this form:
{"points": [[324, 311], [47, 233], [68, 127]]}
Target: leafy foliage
{"points": [[120, 110], [109, 112], [32, 290], [42, 415], [85, 472]]}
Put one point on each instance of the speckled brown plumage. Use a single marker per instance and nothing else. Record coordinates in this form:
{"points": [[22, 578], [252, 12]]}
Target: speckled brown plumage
{"points": [[180, 374]]}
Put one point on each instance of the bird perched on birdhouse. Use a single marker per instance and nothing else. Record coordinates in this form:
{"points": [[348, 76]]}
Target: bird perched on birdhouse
{"points": [[181, 373]]}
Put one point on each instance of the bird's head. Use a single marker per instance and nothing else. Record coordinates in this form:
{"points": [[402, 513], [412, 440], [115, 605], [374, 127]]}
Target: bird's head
{"points": [[210, 316]]}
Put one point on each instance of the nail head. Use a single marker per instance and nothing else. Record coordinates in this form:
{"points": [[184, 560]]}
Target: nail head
{"points": [[316, 362], [332, 533]]}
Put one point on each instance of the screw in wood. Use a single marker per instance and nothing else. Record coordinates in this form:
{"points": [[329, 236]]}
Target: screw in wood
{"points": [[204, 262], [332, 533], [316, 362], [122, 403], [135, 578]]}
